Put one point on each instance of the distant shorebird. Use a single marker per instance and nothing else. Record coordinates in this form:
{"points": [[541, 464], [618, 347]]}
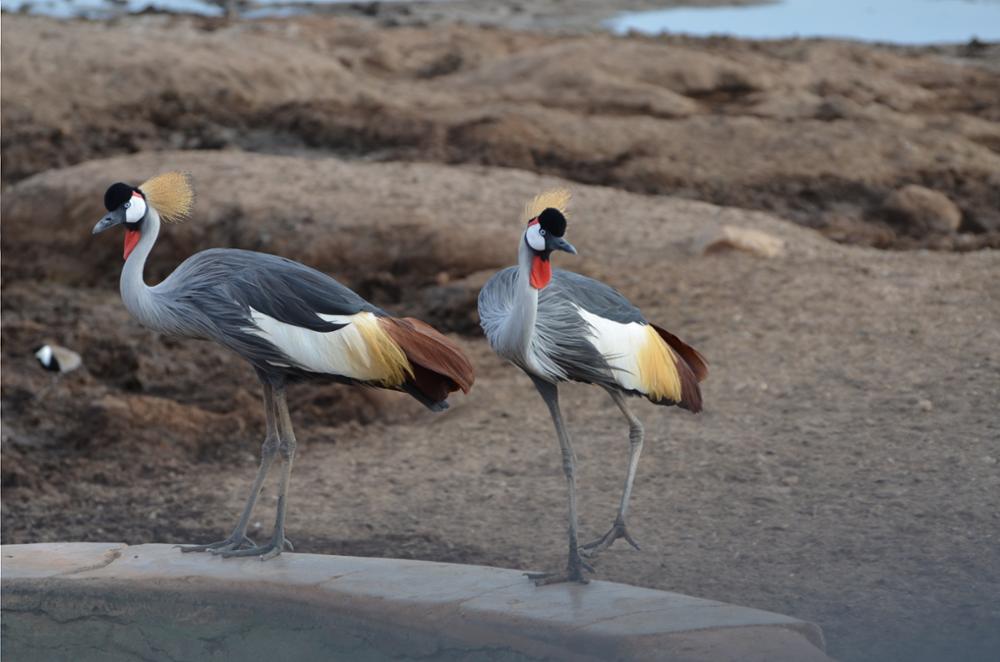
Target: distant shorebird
{"points": [[559, 326], [55, 358], [290, 322]]}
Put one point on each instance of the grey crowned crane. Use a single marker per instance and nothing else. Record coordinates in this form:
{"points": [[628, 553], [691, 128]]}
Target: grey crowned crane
{"points": [[560, 326], [290, 322]]}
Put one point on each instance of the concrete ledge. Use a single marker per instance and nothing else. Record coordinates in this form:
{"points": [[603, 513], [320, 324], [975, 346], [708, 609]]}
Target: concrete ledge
{"points": [[110, 601]]}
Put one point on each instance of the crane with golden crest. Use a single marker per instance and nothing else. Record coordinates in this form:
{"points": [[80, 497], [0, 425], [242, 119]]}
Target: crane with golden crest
{"points": [[559, 326], [290, 322]]}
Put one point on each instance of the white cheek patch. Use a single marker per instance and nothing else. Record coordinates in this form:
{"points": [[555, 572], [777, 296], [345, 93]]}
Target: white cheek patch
{"points": [[534, 237], [136, 209]]}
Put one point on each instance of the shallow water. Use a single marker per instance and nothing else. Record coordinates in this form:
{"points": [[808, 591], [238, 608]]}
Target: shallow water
{"points": [[892, 21]]}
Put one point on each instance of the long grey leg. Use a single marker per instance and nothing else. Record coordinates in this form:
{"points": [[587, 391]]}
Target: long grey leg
{"points": [[574, 564], [267, 451], [286, 448], [619, 528]]}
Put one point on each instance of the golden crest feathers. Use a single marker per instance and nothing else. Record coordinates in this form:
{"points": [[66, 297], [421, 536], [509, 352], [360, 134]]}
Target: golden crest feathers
{"points": [[555, 198], [172, 194]]}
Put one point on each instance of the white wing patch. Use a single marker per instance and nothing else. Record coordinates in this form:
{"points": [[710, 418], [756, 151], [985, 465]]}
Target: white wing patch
{"points": [[341, 352], [620, 345]]}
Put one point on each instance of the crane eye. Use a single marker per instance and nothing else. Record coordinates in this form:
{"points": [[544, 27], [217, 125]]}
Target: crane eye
{"points": [[541, 231], [127, 205]]}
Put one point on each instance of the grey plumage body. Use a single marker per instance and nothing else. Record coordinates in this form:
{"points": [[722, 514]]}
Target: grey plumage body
{"points": [[555, 348], [210, 295]]}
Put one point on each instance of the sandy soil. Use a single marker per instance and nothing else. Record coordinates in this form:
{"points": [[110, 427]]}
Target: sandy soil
{"points": [[846, 467]]}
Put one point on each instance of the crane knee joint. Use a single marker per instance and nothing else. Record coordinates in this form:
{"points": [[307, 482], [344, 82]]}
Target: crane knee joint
{"points": [[269, 447], [287, 448]]}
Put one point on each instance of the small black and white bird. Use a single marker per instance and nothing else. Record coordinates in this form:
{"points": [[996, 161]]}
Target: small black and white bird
{"points": [[57, 359], [290, 322], [559, 326]]}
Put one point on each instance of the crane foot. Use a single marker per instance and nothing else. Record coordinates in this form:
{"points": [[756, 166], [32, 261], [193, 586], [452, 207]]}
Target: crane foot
{"points": [[573, 573], [265, 552], [618, 530], [228, 544]]}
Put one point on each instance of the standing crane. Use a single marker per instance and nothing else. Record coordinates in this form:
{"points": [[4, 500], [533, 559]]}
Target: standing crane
{"points": [[560, 326], [290, 322]]}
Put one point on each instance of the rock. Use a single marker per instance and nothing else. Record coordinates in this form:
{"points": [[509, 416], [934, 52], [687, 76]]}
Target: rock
{"points": [[731, 237], [919, 210], [333, 607]]}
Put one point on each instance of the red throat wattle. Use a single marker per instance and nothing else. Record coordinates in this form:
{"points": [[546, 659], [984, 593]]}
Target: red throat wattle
{"points": [[541, 272], [131, 239]]}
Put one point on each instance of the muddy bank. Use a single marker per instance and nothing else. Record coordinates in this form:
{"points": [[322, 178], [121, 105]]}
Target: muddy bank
{"points": [[820, 132]]}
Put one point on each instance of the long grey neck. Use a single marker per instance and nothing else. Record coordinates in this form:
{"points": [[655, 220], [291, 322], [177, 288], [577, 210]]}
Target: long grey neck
{"points": [[520, 324], [140, 300]]}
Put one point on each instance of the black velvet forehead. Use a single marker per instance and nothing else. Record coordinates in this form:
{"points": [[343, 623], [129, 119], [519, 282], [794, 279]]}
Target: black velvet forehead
{"points": [[553, 222], [117, 195]]}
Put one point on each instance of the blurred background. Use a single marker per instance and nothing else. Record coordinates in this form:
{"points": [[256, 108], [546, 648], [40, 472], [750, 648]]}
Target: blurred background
{"points": [[808, 192]]}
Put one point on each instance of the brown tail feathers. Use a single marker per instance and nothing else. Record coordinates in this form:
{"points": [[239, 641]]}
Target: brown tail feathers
{"points": [[691, 367], [439, 366]]}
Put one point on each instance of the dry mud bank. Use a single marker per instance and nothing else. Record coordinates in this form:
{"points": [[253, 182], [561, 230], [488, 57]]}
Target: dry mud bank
{"points": [[844, 470], [820, 132]]}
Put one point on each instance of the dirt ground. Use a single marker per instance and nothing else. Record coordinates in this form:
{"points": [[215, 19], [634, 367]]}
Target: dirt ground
{"points": [[847, 464]]}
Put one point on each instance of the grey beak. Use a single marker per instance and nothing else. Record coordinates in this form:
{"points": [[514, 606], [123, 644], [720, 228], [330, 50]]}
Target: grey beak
{"points": [[109, 221], [561, 244]]}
